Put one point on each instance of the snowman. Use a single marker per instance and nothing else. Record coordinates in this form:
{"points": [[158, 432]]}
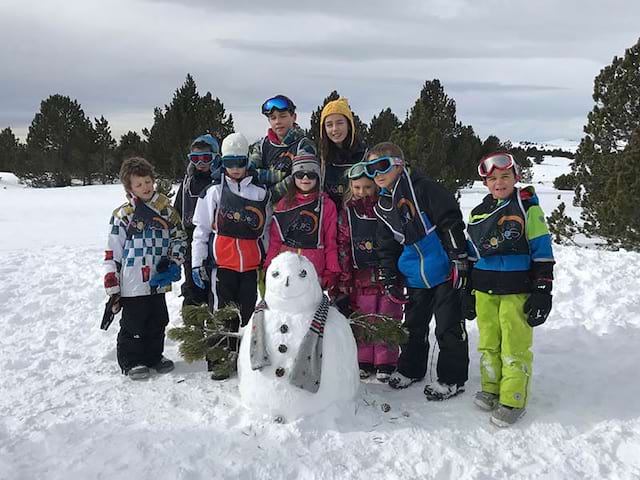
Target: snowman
{"points": [[298, 355]]}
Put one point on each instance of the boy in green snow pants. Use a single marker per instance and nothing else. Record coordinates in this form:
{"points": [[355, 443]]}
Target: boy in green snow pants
{"points": [[510, 286]]}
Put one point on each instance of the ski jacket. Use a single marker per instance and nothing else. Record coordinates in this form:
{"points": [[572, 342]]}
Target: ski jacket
{"points": [[325, 256], [231, 219], [509, 243], [140, 235], [359, 215], [335, 170], [419, 232], [273, 159], [192, 186]]}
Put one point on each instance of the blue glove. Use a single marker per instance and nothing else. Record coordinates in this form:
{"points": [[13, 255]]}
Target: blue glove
{"points": [[199, 275], [163, 279]]}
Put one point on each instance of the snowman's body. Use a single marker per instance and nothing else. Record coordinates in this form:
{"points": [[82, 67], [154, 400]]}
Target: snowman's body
{"points": [[292, 300]]}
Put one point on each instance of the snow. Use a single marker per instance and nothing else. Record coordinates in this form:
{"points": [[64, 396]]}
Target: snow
{"points": [[67, 413]]}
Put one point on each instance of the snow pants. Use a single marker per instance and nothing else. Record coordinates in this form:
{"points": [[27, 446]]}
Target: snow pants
{"points": [[239, 288], [443, 301], [377, 354], [141, 336], [504, 346]]}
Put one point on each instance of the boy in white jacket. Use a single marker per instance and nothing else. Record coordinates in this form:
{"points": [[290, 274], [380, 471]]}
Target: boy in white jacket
{"points": [[230, 219]]}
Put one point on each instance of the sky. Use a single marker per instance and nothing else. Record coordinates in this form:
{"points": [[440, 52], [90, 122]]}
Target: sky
{"points": [[521, 70]]}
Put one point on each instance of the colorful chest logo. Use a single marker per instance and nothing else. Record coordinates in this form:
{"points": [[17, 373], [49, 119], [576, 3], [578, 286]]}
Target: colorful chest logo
{"points": [[251, 216], [510, 229]]}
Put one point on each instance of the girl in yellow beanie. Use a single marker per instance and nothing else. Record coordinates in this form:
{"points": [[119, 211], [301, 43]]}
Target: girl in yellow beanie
{"points": [[340, 147]]}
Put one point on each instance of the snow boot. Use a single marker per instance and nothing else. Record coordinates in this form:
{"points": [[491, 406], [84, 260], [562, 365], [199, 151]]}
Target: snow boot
{"points": [[441, 391], [384, 372], [486, 401], [139, 372], [365, 370], [398, 380], [164, 365], [505, 416]]}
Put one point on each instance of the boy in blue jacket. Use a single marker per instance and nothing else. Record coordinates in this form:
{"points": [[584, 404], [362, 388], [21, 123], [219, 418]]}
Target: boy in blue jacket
{"points": [[421, 238], [511, 280]]}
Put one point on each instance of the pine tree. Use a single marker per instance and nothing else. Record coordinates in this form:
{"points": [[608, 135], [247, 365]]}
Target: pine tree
{"points": [[61, 141], [174, 127], [382, 127], [130, 145], [608, 149], [9, 150], [105, 150], [314, 130], [431, 136]]}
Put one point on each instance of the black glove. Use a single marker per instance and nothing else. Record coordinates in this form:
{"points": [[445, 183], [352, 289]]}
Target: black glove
{"points": [[391, 289], [538, 305], [468, 302], [460, 270]]}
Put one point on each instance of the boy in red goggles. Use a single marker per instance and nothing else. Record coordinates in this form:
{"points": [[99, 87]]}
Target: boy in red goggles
{"points": [[273, 155], [421, 239], [204, 162], [511, 280]]}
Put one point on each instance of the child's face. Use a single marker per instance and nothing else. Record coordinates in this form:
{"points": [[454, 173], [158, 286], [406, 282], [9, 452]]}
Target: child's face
{"points": [[306, 184], [336, 126], [363, 187], [281, 122], [237, 173], [501, 183], [203, 167], [142, 187], [386, 180]]}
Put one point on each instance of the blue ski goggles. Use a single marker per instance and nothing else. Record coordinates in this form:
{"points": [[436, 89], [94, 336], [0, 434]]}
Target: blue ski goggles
{"points": [[380, 165], [201, 158], [279, 102], [234, 161]]}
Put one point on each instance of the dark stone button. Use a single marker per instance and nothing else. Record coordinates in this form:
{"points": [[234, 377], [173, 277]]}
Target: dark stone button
{"points": [[282, 348], [284, 328], [279, 372]]}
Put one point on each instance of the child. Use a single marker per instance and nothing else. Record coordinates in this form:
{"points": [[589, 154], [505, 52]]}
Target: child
{"points": [[230, 220], [340, 148], [273, 154], [204, 161], [145, 249], [421, 237], [306, 222], [359, 278], [512, 279]]}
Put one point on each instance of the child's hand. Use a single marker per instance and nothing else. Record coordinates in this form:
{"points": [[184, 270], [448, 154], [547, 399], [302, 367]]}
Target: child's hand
{"points": [[164, 279], [538, 305], [459, 273], [199, 276], [396, 294]]}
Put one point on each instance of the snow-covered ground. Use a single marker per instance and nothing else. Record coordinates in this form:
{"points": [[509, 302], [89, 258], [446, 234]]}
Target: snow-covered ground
{"points": [[67, 413]]}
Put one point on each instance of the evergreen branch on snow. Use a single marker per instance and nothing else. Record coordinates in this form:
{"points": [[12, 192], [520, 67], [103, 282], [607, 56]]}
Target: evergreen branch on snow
{"points": [[377, 328]]}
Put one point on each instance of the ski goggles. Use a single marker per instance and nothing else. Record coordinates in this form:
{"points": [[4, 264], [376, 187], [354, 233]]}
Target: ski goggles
{"points": [[234, 161], [357, 171], [381, 165], [201, 158], [279, 102], [501, 161], [310, 175]]}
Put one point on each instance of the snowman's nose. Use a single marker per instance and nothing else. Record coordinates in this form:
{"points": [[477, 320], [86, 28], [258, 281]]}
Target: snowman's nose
{"points": [[286, 282]]}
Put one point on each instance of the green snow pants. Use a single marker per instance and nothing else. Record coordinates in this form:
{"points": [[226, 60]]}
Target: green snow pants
{"points": [[504, 346]]}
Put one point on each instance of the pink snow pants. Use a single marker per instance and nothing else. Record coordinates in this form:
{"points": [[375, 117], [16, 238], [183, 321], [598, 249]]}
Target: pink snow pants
{"points": [[377, 354]]}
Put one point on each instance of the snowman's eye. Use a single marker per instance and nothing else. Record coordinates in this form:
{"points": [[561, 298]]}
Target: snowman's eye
{"points": [[275, 274], [303, 273]]}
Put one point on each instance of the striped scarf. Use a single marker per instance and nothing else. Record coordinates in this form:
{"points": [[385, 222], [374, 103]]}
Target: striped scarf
{"points": [[307, 368]]}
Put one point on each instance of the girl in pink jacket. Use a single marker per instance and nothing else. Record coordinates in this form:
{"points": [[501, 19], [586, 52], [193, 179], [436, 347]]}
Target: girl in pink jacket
{"points": [[359, 278], [305, 221]]}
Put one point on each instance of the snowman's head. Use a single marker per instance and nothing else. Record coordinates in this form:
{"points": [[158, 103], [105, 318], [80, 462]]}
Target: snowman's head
{"points": [[292, 283]]}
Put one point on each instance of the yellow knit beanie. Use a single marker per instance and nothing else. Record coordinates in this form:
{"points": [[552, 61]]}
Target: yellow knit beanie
{"points": [[340, 106]]}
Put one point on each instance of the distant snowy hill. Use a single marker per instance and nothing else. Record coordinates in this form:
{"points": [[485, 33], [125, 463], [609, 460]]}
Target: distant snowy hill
{"points": [[557, 144], [68, 413]]}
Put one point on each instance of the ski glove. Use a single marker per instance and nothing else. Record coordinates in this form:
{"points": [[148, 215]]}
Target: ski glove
{"points": [[538, 305], [199, 276], [164, 279], [459, 273], [396, 294], [468, 301]]}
